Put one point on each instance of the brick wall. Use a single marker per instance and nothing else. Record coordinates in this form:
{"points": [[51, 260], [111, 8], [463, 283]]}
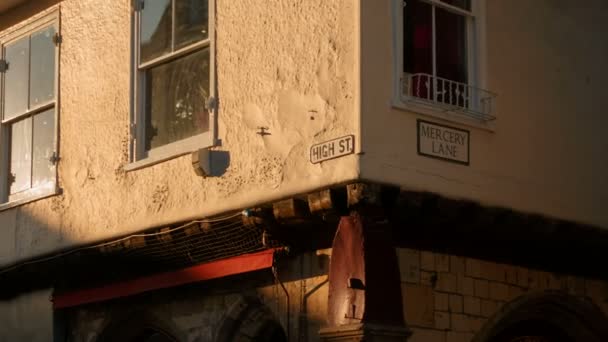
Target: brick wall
{"points": [[448, 298]]}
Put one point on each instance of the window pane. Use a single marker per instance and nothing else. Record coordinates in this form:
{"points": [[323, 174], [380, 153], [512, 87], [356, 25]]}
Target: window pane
{"points": [[451, 46], [464, 4], [16, 79], [418, 46], [451, 58], [21, 160], [418, 54], [175, 99], [191, 18], [44, 133], [42, 77], [155, 29]]}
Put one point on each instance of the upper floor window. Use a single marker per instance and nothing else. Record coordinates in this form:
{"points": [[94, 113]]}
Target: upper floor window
{"points": [[28, 98], [173, 78], [439, 57]]}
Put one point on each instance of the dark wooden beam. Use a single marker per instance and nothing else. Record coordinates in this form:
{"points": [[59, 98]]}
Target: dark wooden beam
{"points": [[291, 210]]}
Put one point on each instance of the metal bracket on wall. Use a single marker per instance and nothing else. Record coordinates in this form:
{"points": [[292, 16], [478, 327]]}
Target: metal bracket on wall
{"points": [[211, 104], [54, 158], [262, 131], [57, 39], [3, 65]]}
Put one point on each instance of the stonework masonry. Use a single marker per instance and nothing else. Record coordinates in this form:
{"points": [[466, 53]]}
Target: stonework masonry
{"points": [[446, 298], [453, 297]]}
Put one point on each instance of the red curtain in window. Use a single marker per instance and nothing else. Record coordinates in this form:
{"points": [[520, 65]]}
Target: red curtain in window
{"points": [[449, 45]]}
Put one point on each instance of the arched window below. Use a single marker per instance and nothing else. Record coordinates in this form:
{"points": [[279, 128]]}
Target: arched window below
{"points": [[153, 335]]}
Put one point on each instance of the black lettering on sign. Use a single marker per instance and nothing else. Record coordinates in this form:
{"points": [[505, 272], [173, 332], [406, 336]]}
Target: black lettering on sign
{"points": [[443, 142], [332, 149]]}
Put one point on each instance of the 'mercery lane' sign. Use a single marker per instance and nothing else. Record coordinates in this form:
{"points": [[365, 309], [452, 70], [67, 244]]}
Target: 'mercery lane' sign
{"points": [[332, 149], [443, 142]]}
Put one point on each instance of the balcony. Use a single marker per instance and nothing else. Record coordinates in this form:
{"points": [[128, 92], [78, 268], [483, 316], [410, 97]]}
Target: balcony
{"points": [[451, 97]]}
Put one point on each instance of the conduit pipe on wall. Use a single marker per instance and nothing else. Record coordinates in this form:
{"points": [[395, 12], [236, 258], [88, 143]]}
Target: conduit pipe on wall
{"points": [[278, 281]]}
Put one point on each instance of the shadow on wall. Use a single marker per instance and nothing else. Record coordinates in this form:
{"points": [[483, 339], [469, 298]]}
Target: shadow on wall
{"points": [[26, 311], [555, 315], [245, 318], [217, 310], [24, 11]]}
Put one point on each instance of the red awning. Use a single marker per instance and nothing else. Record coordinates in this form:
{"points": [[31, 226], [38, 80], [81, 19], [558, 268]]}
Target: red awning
{"points": [[211, 270]]}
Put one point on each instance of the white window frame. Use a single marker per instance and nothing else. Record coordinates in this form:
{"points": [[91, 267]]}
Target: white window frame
{"points": [[50, 18], [476, 61], [139, 157]]}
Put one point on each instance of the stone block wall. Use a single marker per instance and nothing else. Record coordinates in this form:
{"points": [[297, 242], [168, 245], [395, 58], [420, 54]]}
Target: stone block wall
{"points": [[448, 298]]}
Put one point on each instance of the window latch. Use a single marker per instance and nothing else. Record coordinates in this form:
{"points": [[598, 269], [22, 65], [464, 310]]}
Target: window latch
{"points": [[3, 65]]}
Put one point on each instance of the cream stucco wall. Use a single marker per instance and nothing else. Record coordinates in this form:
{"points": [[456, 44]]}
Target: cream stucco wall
{"points": [[286, 65], [546, 60], [281, 62]]}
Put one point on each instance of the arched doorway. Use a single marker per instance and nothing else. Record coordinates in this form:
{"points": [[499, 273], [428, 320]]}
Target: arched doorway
{"points": [[137, 326], [250, 318], [549, 316], [532, 331], [153, 335]]}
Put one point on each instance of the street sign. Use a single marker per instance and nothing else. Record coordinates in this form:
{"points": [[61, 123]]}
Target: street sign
{"points": [[332, 149]]}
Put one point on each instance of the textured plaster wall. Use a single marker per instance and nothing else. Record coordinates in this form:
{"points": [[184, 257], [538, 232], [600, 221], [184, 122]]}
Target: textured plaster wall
{"points": [[287, 65], [546, 62]]}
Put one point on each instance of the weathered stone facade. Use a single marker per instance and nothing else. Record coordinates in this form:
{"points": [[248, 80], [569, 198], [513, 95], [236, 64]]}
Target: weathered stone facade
{"points": [[448, 298]]}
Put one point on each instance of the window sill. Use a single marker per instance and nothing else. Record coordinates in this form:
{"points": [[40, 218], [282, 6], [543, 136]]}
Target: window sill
{"points": [[36, 195], [441, 112], [172, 151], [143, 163]]}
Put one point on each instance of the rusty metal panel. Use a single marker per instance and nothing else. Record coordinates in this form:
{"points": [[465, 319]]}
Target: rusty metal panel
{"points": [[364, 284]]}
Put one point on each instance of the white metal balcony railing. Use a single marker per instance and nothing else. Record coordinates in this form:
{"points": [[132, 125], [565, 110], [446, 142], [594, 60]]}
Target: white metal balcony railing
{"points": [[458, 98]]}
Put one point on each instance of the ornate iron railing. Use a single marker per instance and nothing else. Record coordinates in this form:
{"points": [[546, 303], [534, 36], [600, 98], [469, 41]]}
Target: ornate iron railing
{"points": [[451, 96]]}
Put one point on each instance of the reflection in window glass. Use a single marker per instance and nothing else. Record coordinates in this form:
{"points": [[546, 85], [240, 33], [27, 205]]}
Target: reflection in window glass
{"points": [[176, 93], [451, 46], [156, 27], [21, 160], [191, 18], [44, 133], [16, 78], [42, 69]]}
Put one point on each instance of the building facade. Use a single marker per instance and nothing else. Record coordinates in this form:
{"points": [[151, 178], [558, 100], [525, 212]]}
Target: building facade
{"points": [[421, 170]]}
